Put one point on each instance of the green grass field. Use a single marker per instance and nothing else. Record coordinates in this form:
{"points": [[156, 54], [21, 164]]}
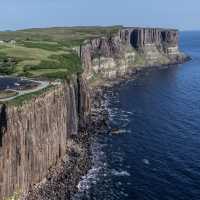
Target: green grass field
{"points": [[67, 35], [27, 97], [47, 52], [34, 62], [7, 94]]}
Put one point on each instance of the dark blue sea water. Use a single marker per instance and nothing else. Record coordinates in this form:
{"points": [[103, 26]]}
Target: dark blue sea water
{"points": [[156, 155]]}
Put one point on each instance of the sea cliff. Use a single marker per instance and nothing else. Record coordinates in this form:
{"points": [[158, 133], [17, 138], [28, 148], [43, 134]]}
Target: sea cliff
{"points": [[131, 48], [35, 136], [48, 132]]}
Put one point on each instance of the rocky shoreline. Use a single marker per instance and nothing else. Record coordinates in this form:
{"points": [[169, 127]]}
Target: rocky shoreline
{"points": [[49, 137], [62, 180]]}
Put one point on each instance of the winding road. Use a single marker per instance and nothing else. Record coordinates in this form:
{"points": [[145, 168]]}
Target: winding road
{"points": [[42, 85]]}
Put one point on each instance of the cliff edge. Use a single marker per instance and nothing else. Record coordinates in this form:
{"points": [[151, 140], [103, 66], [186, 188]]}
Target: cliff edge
{"points": [[35, 136], [131, 48]]}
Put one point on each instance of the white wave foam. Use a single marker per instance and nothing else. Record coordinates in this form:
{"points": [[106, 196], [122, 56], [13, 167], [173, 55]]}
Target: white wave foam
{"points": [[146, 162], [120, 131], [120, 173], [87, 180]]}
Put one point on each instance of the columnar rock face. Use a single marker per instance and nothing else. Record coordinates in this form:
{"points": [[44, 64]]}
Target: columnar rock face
{"points": [[139, 37], [99, 47], [34, 136], [130, 47]]}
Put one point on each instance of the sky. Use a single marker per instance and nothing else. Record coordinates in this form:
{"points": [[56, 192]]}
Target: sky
{"points": [[21, 14]]}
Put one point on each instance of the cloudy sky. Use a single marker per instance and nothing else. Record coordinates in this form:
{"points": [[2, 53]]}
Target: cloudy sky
{"points": [[19, 14]]}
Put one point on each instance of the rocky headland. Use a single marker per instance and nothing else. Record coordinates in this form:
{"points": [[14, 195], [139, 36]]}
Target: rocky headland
{"points": [[130, 50], [45, 143]]}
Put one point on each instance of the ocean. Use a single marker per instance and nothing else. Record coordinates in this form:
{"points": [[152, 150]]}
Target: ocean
{"points": [[155, 154]]}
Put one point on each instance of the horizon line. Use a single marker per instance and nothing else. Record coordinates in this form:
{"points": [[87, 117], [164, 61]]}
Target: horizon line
{"points": [[93, 26]]}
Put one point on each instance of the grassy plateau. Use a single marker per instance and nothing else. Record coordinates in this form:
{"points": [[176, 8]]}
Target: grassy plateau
{"points": [[46, 52]]}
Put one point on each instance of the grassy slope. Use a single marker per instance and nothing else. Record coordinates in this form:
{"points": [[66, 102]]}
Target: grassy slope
{"points": [[37, 47], [7, 94], [65, 35], [28, 57], [46, 53], [24, 98]]}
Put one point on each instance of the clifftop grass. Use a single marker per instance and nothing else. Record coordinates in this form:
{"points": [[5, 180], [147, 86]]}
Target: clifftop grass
{"points": [[19, 101], [36, 62], [66, 35], [45, 53]]}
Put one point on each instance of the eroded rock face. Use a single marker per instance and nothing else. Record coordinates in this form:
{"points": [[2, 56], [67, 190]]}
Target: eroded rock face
{"points": [[139, 37], [35, 135], [99, 47], [131, 47]]}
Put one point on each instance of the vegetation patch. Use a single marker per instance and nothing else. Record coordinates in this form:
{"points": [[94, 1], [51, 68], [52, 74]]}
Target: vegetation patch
{"points": [[7, 94], [20, 100], [57, 66], [139, 59], [58, 33], [72, 43], [16, 196], [7, 64], [50, 46], [46, 52]]}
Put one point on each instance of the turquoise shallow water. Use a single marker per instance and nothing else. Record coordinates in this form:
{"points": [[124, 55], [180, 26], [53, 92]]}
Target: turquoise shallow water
{"points": [[156, 156]]}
